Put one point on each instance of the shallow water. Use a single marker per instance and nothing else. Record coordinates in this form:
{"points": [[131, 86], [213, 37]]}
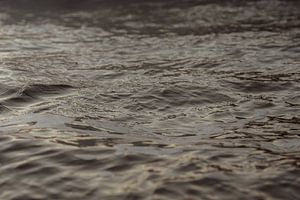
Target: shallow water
{"points": [[149, 99]]}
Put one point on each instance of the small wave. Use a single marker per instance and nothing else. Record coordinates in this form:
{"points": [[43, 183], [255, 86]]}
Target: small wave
{"points": [[30, 94]]}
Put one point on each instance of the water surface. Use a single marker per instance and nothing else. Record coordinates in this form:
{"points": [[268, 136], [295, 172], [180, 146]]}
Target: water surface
{"points": [[149, 99]]}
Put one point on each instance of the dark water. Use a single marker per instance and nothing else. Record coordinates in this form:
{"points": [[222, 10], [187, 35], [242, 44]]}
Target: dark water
{"points": [[149, 99]]}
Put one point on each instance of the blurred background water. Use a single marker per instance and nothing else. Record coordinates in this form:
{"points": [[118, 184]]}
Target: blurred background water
{"points": [[194, 99]]}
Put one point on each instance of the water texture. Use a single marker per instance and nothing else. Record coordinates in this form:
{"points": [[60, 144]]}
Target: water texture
{"points": [[150, 99]]}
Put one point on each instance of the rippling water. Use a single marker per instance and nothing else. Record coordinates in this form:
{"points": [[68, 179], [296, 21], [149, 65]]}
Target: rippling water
{"points": [[149, 99]]}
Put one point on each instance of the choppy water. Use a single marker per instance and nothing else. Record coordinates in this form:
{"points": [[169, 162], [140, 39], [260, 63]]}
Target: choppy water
{"points": [[149, 99]]}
